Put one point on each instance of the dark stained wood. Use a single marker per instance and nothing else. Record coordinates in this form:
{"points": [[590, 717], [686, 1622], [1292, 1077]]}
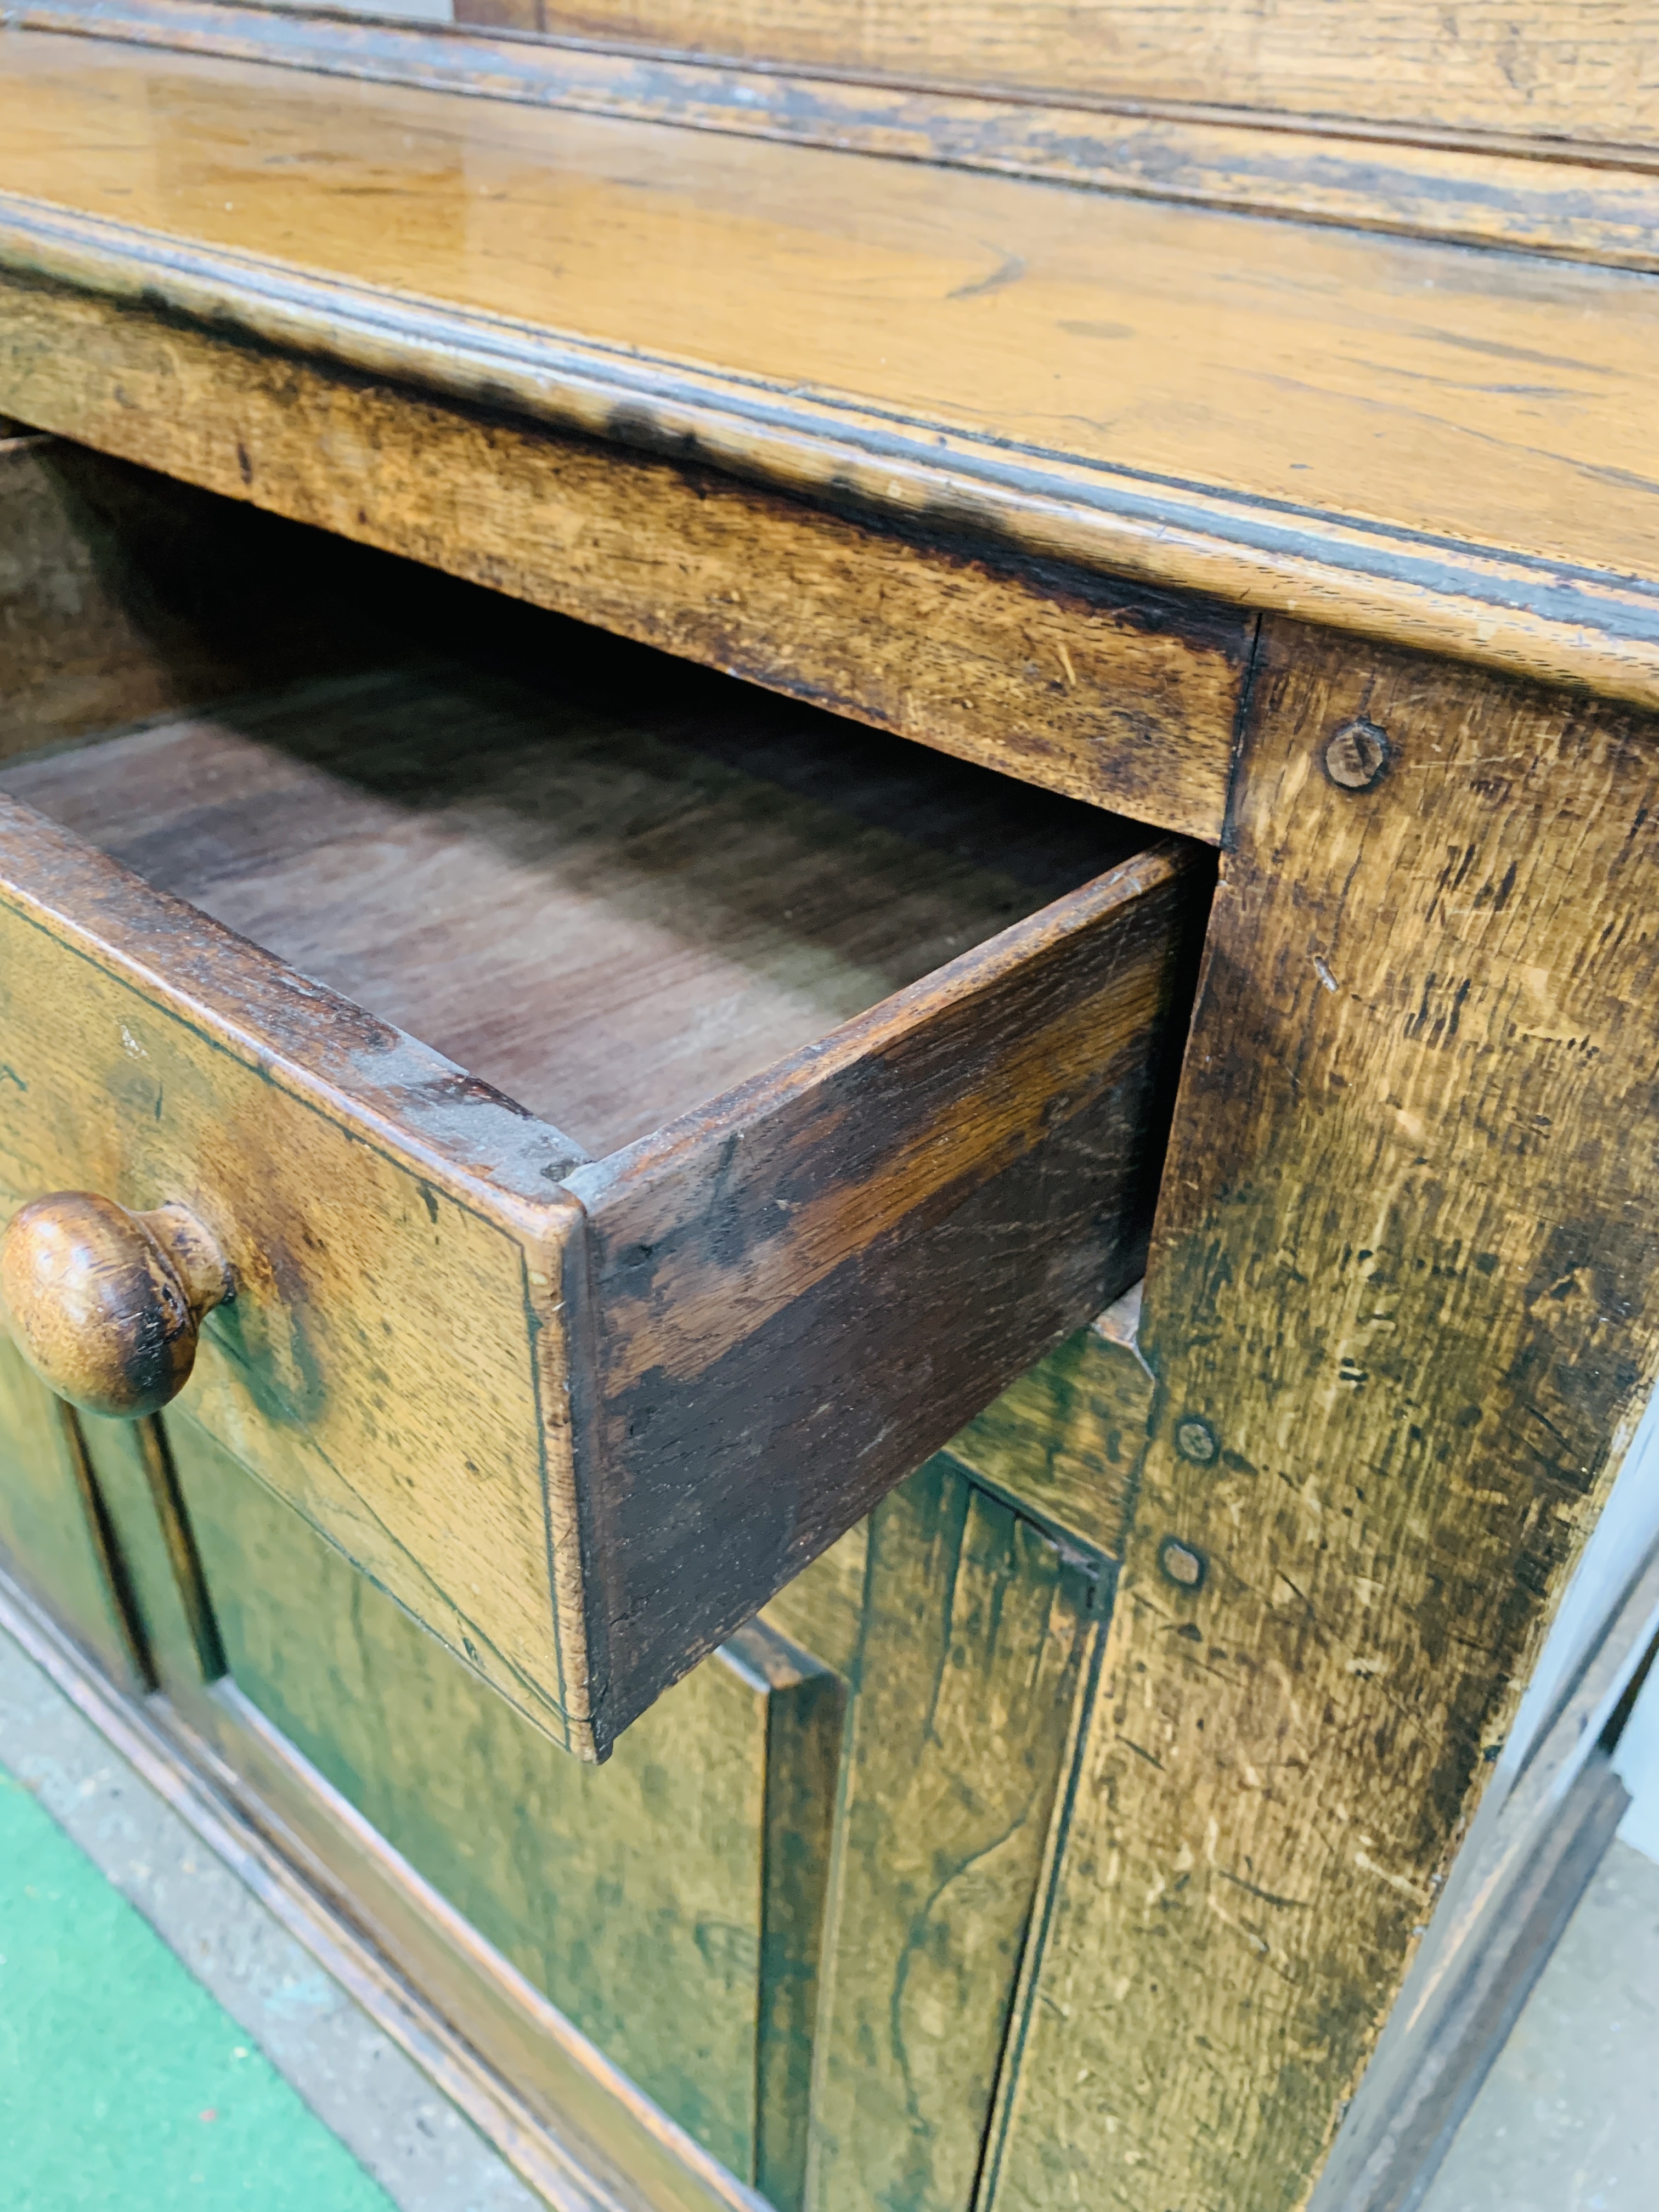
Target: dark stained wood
{"points": [[617, 886], [1402, 1312], [124, 593], [901, 1218]]}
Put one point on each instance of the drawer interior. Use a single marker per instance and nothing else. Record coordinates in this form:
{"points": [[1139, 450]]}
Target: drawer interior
{"points": [[607, 883]]}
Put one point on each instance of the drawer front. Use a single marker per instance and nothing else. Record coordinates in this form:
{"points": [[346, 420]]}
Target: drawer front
{"points": [[380, 1366]]}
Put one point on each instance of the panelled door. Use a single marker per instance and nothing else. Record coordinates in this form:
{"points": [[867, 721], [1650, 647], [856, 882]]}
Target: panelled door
{"points": [[800, 1906]]}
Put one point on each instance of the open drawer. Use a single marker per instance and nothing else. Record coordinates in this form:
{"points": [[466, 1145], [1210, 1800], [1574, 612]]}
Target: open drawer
{"points": [[814, 1082]]}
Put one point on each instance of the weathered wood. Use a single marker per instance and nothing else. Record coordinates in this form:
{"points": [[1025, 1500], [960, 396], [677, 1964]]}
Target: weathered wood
{"points": [[612, 898], [634, 1896], [107, 1305], [1086, 684], [1401, 1307], [1558, 70], [701, 887], [897, 1220], [1538, 195], [1404, 488], [975, 1640], [52, 1533], [382, 1277], [574, 2128]]}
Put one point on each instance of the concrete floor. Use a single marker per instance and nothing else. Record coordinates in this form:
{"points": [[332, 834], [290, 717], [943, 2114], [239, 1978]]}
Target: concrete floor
{"points": [[1568, 2121]]}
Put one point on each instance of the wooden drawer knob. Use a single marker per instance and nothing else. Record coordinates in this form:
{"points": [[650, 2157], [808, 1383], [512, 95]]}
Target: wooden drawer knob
{"points": [[105, 1304]]}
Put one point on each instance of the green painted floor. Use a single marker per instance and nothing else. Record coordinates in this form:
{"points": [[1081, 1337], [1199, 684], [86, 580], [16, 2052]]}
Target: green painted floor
{"points": [[122, 2083]]}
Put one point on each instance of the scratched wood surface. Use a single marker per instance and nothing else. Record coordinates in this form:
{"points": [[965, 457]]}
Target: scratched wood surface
{"points": [[1077, 682], [1066, 1440], [770, 1279], [674, 1903], [632, 1894], [1551, 70], [975, 1638], [1287, 426], [158, 1060], [1402, 1309]]}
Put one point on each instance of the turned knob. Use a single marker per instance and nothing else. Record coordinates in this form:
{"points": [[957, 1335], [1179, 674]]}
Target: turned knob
{"points": [[105, 1304]]}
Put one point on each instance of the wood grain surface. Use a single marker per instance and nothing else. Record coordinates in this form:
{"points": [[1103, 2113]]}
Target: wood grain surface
{"points": [[1557, 71], [53, 1534], [1509, 188], [974, 1643], [877, 1056], [1388, 435], [1401, 1310], [1066, 1440], [1104, 690]]}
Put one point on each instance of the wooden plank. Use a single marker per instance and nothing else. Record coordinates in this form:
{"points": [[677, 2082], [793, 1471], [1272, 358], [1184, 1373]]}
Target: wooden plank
{"points": [[669, 1903], [1401, 1308], [1482, 187], [1283, 429], [976, 1641], [883, 1232], [612, 898], [52, 1532], [1065, 678], [1561, 70]]}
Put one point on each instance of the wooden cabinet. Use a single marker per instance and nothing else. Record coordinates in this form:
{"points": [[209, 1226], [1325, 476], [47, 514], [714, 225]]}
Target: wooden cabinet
{"points": [[1189, 428]]}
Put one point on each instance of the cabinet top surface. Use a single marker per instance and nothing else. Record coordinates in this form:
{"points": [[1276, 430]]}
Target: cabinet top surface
{"points": [[1357, 403]]}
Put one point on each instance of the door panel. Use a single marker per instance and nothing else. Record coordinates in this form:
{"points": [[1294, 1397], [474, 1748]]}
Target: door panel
{"points": [[975, 1635], [632, 1894], [52, 1534]]}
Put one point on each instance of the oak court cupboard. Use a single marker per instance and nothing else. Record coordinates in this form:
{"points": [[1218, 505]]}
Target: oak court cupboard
{"points": [[827, 1040]]}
